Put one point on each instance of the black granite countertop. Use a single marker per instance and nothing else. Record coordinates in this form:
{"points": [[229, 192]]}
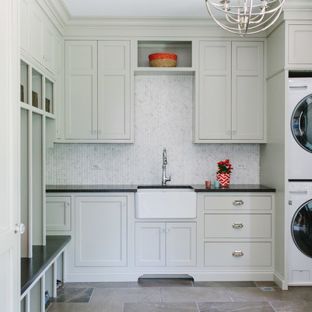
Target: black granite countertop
{"points": [[90, 188], [236, 188], [43, 256], [133, 188]]}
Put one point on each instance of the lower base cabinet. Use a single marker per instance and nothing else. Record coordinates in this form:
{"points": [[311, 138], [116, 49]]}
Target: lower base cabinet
{"points": [[165, 244], [232, 237], [101, 231]]}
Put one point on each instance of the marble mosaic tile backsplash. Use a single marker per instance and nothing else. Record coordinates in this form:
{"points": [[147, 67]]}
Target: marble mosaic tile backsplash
{"points": [[163, 118]]}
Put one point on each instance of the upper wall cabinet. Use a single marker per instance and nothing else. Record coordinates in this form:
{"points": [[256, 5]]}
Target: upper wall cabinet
{"points": [[98, 92], [39, 38], [230, 106], [299, 46], [81, 90]]}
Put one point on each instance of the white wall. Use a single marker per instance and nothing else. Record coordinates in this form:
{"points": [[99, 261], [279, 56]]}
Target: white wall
{"points": [[163, 118]]}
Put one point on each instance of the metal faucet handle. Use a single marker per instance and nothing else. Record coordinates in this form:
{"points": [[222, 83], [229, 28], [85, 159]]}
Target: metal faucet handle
{"points": [[165, 160]]}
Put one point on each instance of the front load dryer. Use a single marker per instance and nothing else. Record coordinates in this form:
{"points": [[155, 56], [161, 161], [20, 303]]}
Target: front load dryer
{"points": [[300, 129], [299, 234]]}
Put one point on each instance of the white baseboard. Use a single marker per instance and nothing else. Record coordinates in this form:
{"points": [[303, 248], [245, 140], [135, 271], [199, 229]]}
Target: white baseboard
{"points": [[280, 281], [198, 276]]}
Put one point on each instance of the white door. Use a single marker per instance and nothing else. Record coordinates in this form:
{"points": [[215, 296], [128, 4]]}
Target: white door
{"points": [[101, 231], [81, 90], [248, 91], [150, 244], [214, 109], [9, 157], [181, 244], [114, 96]]}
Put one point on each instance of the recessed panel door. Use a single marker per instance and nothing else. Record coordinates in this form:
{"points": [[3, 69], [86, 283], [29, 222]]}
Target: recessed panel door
{"points": [[150, 244], [181, 244]]}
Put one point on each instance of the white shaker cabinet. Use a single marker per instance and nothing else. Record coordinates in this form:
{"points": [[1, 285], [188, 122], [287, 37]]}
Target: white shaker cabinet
{"points": [[114, 95], [98, 102], [299, 46], [36, 32], [247, 91], [214, 109], [58, 213], [231, 105], [39, 37], [165, 244], [150, 244], [81, 90], [181, 244], [100, 231]]}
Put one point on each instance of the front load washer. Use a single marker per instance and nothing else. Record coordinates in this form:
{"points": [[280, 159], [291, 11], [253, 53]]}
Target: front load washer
{"points": [[299, 234], [300, 129]]}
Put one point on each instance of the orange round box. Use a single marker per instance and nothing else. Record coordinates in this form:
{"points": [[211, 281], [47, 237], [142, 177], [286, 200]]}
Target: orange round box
{"points": [[163, 59]]}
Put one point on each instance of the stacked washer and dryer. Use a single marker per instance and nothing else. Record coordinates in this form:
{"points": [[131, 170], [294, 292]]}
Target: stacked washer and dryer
{"points": [[300, 182]]}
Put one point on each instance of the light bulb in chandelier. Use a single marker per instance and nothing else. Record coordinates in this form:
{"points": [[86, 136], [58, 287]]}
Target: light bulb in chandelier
{"points": [[245, 16]]}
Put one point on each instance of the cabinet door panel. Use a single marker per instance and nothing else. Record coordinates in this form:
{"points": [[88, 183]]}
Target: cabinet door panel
{"points": [[101, 231], [81, 90], [49, 46], [214, 111], [181, 244], [58, 213], [114, 96], [300, 44], [248, 91], [150, 244], [36, 33], [25, 22]]}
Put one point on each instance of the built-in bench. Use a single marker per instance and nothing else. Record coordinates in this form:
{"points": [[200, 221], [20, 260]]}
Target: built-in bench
{"points": [[37, 270]]}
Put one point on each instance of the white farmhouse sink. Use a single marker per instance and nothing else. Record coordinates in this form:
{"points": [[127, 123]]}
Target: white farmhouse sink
{"points": [[165, 203]]}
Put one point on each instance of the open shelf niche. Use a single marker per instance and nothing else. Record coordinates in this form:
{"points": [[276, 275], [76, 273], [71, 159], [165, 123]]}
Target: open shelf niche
{"points": [[183, 50]]}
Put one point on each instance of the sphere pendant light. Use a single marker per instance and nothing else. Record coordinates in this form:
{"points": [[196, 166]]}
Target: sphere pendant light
{"points": [[245, 17]]}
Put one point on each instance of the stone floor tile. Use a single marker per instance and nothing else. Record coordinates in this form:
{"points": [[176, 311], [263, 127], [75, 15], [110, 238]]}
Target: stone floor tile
{"points": [[194, 294], [66, 294], [247, 294], [102, 285], [235, 307], [78, 307], [291, 306], [224, 284], [160, 307], [112, 295], [266, 284]]}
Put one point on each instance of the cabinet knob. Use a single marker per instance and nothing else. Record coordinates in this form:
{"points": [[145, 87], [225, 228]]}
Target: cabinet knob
{"points": [[237, 253], [19, 228], [238, 203], [237, 226]]}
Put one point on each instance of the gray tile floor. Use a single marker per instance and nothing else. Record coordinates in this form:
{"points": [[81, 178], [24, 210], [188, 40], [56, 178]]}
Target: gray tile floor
{"points": [[159, 296]]}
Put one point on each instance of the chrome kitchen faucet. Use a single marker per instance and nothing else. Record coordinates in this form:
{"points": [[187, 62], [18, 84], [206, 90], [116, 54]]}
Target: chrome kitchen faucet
{"points": [[165, 179]]}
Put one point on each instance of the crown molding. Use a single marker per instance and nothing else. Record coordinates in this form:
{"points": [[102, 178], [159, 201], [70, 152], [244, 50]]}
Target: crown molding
{"points": [[69, 25], [57, 12], [297, 5], [141, 21]]}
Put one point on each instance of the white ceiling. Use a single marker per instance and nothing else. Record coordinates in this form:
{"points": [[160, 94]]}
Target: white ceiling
{"points": [[136, 8]]}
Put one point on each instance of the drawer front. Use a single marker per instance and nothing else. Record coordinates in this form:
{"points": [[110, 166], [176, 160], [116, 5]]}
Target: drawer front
{"points": [[237, 203], [238, 254], [238, 226]]}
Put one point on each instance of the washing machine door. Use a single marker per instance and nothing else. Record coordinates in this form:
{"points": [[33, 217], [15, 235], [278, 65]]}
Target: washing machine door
{"points": [[301, 123], [301, 228]]}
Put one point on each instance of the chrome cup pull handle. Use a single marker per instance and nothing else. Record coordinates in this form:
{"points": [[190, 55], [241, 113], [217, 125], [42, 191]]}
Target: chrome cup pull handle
{"points": [[238, 203], [237, 226], [237, 253]]}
